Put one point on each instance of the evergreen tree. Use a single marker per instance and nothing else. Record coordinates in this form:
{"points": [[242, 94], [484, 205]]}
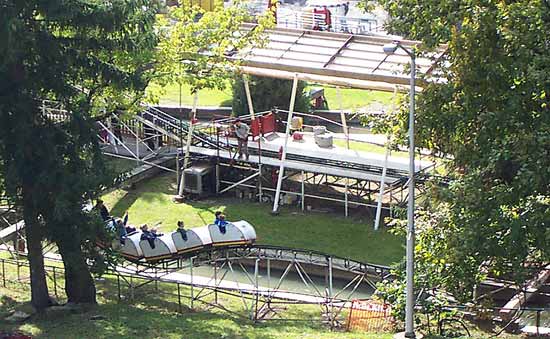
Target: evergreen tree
{"points": [[90, 57]]}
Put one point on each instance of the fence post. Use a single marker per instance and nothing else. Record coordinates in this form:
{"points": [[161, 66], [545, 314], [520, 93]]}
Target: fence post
{"points": [[118, 286], [132, 288], [215, 282], [268, 274], [192, 289], [256, 273], [3, 273], [54, 284], [538, 322], [179, 298]]}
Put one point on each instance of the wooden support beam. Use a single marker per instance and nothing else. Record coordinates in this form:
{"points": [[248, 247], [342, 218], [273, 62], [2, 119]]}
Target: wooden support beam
{"points": [[190, 132], [357, 75], [336, 81], [289, 47], [248, 97]]}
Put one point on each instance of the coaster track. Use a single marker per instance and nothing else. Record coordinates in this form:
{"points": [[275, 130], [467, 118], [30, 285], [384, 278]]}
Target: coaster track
{"points": [[330, 282]]}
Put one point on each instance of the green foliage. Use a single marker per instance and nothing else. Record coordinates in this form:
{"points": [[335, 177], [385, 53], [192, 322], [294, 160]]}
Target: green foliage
{"points": [[196, 45], [89, 57], [490, 116], [268, 93]]}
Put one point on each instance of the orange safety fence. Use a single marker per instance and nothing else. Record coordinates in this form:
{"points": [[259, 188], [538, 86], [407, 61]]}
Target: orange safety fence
{"points": [[370, 316]]}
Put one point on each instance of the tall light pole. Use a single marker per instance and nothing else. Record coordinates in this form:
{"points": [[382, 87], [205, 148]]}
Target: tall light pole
{"points": [[390, 49]]}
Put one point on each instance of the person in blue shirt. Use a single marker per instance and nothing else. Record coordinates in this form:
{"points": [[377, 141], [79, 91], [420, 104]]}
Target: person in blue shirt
{"points": [[217, 215], [121, 228], [222, 223]]}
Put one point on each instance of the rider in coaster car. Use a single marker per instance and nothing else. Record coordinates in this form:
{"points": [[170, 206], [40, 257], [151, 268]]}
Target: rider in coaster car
{"points": [[148, 235], [103, 211], [129, 229], [122, 229], [155, 234], [222, 223], [181, 230]]}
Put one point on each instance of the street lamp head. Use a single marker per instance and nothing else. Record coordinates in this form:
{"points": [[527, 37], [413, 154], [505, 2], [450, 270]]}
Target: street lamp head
{"points": [[389, 49]]}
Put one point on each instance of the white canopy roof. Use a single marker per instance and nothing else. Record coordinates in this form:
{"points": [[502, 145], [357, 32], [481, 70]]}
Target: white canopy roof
{"points": [[334, 58]]}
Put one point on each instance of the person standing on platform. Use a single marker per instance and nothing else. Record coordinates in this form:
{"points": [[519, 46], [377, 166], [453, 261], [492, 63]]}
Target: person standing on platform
{"points": [[241, 131]]}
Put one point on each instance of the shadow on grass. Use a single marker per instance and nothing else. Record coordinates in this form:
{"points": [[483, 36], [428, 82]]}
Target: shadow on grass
{"points": [[149, 191], [330, 233], [134, 321], [150, 314]]}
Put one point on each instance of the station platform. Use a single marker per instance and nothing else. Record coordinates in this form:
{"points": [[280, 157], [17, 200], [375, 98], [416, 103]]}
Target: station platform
{"points": [[306, 155]]}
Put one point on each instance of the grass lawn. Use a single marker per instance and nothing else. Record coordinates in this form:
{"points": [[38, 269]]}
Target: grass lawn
{"points": [[154, 315], [355, 98], [151, 202], [351, 98], [206, 97], [368, 147]]}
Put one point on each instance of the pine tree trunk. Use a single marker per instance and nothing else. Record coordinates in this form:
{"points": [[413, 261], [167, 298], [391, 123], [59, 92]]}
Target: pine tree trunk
{"points": [[79, 283], [40, 298]]}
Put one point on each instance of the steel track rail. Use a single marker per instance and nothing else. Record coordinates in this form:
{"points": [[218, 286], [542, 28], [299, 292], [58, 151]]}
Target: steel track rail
{"points": [[304, 256]]}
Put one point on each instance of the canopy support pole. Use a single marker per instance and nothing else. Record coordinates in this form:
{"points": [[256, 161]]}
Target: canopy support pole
{"points": [[303, 190], [188, 144], [382, 184], [383, 179], [343, 116], [248, 97], [283, 156]]}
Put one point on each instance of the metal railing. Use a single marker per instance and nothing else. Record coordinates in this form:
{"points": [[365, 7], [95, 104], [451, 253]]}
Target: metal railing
{"points": [[307, 19]]}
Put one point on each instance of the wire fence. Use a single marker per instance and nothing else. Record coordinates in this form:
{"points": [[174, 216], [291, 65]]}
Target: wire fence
{"points": [[15, 274], [173, 296], [365, 316]]}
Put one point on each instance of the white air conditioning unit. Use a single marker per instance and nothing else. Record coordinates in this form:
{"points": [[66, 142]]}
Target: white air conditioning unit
{"points": [[199, 179]]}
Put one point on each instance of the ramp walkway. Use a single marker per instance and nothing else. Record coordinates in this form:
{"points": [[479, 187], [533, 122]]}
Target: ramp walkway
{"points": [[304, 156], [9, 232]]}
